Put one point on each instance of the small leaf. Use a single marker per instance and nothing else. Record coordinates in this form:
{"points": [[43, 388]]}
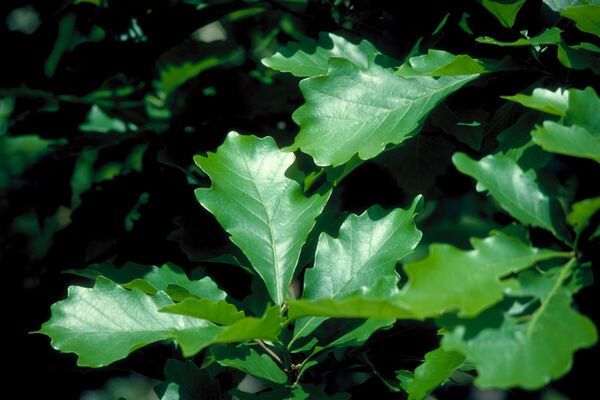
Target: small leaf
{"points": [[437, 367], [504, 10], [555, 103], [248, 360], [582, 212], [516, 191], [265, 212], [352, 111], [548, 37], [440, 63], [311, 58]]}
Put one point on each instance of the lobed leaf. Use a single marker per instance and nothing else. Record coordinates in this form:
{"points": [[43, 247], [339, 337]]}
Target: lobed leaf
{"points": [[105, 323], [364, 253], [517, 191], [352, 111], [311, 58], [265, 212]]}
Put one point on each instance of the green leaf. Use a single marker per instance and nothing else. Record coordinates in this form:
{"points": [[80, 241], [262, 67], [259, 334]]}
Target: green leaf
{"points": [[365, 252], [504, 10], [581, 56], [576, 134], [248, 360], [586, 17], [150, 279], [440, 63], [516, 191], [98, 121], [560, 5], [548, 37], [185, 381], [523, 351], [555, 103], [362, 305], [468, 282], [582, 212], [569, 140], [352, 111], [311, 58], [265, 212], [436, 369], [219, 312], [105, 323]]}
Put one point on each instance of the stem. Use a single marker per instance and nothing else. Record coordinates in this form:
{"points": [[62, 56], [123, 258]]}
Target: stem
{"points": [[564, 274], [269, 351]]}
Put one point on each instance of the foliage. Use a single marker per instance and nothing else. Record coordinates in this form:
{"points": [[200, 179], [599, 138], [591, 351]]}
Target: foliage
{"points": [[277, 189]]}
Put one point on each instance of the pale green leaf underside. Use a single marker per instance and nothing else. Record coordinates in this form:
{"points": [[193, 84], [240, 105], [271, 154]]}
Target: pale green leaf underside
{"points": [[365, 252], [353, 111], [529, 353], [437, 367], [311, 58], [105, 323], [515, 190], [266, 213]]}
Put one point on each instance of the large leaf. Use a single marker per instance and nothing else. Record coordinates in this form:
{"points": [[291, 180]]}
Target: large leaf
{"points": [[517, 191], [354, 111], [265, 212], [468, 282], [365, 252], [150, 279], [105, 323], [311, 58], [524, 351], [248, 360], [437, 367]]}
